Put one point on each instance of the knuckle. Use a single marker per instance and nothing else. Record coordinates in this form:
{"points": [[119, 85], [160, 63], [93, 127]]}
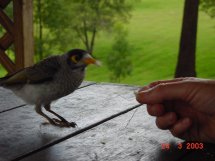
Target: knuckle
{"points": [[159, 123], [160, 87], [149, 110], [139, 99]]}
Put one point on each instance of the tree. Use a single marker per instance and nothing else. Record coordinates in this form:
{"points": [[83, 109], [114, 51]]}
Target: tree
{"points": [[119, 61], [39, 28], [51, 27], [186, 58], [60, 24], [209, 7], [89, 17]]}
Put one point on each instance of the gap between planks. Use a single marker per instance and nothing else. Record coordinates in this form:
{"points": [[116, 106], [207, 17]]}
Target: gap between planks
{"points": [[93, 83], [76, 133]]}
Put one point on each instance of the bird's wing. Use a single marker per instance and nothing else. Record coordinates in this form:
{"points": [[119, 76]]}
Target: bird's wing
{"points": [[38, 73]]}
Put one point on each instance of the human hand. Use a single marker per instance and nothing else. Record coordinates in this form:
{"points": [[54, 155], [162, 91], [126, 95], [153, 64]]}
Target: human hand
{"points": [[185, 106]]}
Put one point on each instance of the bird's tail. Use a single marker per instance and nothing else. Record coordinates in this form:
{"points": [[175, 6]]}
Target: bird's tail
{"points": [[2, 80]]}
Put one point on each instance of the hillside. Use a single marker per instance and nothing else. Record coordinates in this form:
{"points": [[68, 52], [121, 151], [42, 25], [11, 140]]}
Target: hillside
{"points": [[154, 33]]}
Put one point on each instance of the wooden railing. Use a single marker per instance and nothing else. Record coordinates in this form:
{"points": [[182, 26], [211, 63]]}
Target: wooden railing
{"points": [[19, 32]]}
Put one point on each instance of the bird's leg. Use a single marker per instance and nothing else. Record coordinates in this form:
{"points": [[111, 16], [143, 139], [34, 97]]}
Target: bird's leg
{"points": [[62, 121], [38, 109]]}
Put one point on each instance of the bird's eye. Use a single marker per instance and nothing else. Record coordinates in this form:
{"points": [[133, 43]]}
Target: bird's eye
{"points": [[74, 59]]}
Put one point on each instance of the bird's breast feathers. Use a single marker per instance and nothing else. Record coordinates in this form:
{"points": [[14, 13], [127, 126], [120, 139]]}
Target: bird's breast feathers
{"points": [[63, 84]]}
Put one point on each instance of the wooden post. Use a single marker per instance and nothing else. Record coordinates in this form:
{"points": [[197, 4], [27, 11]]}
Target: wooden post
{"points": [[19, 32], [23, 33], [186, 57]]}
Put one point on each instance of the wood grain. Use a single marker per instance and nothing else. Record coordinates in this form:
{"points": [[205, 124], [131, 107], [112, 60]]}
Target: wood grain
{"points": [[107, 130], [6, 41], [8, 100], [6, 62], [122, 139], [6, 22], [86, 106], [28, 41], [113, 141]]}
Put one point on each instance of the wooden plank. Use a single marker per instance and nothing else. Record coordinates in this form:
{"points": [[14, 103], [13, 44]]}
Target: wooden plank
{"points": [[6, 41], [9, 101], [86, 106], [18, 34], [116, 140], [86, 84], [6, 22], [23, 32], [27, 12], [4, 3], [6, 62]]}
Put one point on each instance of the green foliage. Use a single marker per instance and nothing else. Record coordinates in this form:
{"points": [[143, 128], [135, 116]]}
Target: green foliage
{"points": [[95, 16], [60, 24], [154, 33], [209, 7], [119, 60], [52, 27]]}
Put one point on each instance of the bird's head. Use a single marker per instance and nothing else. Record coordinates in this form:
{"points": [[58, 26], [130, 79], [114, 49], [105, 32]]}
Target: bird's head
{"points": [[80, 58]]}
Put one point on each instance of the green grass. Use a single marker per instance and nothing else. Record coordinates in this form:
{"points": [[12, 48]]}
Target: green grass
{"points": [[154, 33]]}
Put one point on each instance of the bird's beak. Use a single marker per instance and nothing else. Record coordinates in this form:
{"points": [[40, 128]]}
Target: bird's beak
{"points": [[88, 59]]}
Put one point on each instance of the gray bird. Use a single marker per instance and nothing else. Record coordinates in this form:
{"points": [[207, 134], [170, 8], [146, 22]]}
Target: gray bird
{"points": [[49, 80]]}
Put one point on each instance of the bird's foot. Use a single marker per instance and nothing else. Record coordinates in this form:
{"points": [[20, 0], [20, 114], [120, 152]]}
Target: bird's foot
{"points": [[63, 123]]}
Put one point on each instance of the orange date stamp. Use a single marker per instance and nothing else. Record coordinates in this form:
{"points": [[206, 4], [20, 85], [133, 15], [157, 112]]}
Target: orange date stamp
{"points": [[186, 145]]}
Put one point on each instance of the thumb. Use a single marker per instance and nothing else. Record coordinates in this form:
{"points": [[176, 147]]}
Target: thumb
{"points": [[163, 92]]}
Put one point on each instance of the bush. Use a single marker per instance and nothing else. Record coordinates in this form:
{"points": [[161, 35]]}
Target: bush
{"points": [[119, 60]]}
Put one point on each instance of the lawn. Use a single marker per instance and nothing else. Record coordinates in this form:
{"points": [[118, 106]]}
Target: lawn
{"points": [[154, 33]]}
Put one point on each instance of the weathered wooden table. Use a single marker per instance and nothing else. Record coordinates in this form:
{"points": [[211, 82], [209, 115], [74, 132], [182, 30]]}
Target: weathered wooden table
{"points": [[112, 126]]}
